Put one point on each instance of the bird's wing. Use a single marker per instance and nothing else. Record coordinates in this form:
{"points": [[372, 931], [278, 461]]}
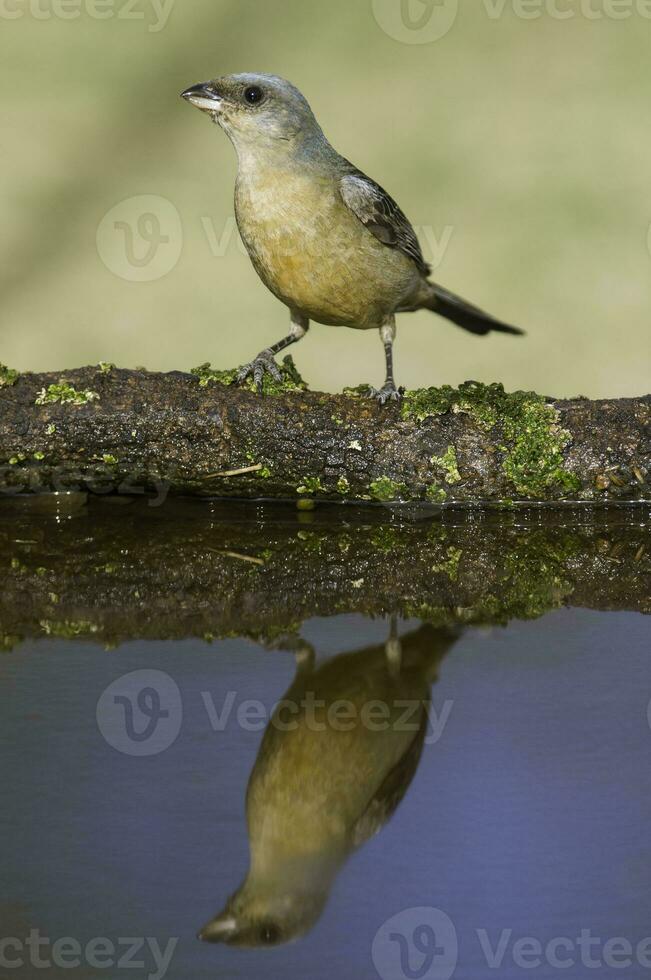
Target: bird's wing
{"points": [[391, 792], [381, 215]]}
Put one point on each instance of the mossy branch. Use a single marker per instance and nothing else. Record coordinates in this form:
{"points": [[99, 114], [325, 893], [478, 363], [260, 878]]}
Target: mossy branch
{"points": [[101, 429]]}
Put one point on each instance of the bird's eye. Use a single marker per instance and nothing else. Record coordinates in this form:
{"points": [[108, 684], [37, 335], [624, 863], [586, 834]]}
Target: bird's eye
{"points": [[253, 94], [269, 934]]}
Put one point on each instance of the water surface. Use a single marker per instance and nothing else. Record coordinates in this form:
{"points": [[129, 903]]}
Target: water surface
{"points": [[515, 808]]}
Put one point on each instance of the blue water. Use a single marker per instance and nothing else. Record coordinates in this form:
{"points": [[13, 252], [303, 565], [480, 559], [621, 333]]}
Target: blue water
{"points": [[528, 817]]}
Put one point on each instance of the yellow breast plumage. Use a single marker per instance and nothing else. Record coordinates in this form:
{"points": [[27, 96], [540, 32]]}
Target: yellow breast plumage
{"points": [[313, 253]]}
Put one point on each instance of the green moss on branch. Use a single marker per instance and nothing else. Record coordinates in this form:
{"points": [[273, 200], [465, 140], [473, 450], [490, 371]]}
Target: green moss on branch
{"points": [[531, 436], [8, 376], [65, 394], [291, 380], [205, 435]]}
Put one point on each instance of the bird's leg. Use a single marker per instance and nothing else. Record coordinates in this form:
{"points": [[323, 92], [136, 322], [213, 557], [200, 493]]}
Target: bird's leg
{"points": [[389, 392], [393, 649], [264, 362]]}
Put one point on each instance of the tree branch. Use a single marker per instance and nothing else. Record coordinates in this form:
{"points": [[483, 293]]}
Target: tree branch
{"points": [[103, 429]]}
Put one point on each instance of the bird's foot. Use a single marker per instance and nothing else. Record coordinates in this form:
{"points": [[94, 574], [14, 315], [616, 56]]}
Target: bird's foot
{"points": [[389, 393], [263, 364]]}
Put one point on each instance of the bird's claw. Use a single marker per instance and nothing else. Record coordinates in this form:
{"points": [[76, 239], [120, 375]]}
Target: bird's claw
{"points": [[263, 364], [389, 393]]}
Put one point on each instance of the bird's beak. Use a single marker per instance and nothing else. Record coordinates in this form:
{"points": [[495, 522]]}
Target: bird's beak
{"points": [[204, 97], [219, 930]]}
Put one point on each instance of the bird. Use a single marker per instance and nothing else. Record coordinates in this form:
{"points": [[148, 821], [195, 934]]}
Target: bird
{"points": [[326, 239], [320, 788]]}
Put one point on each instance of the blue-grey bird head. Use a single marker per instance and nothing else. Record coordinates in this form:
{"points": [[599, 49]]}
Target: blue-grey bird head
{"points": [[257, 111]]}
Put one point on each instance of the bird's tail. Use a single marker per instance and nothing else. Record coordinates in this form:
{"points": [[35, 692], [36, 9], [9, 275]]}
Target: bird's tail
{"points": [[464, 314]]}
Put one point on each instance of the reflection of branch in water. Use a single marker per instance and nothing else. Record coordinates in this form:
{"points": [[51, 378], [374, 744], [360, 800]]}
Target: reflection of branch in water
{"points": [[205, 570], [221, 570], [235, 554], [337, 758]]}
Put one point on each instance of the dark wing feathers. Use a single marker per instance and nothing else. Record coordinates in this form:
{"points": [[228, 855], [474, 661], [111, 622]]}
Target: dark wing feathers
{"points": [[384, 219], [392, 791], [381, 215]]}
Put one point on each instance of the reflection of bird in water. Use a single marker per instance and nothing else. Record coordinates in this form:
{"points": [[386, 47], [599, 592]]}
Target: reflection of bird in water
{"points": [[336, 759]]}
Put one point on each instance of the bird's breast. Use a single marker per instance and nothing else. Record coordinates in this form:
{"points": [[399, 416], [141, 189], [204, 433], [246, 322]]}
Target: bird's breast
{"points": [[313, 253]]}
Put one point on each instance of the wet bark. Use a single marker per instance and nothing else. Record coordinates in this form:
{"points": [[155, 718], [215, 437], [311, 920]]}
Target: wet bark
{"points": [[166, 433]]}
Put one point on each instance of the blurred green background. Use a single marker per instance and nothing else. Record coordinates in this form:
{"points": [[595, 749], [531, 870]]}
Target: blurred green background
{"points": [[522, 146]]}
